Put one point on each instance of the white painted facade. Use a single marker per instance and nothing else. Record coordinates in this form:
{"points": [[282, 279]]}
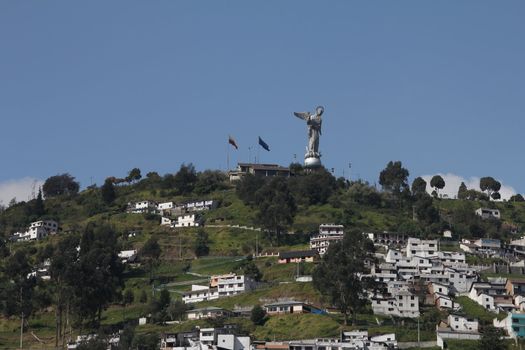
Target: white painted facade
{"points": [[146, 206], [328, 233], [422, 248], [234, 285], [190, 220], [462, 324], [200, 293], [400, 304], [37, 230], [487, 213]]}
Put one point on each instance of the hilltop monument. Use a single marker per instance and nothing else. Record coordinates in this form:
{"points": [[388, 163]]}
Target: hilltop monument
{"points": [[312, 158]]}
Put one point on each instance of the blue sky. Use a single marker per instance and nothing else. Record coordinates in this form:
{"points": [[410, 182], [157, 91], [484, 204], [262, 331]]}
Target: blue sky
{"points": [[97, 88]]}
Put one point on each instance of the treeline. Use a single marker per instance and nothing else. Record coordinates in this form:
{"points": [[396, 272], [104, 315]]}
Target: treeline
{"points": [[86, 275], [277, 200], [64, 202]]}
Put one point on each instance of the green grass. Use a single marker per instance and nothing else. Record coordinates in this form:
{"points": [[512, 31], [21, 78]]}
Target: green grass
{"points": [[474, 310], [306, 326], [299, 291]]}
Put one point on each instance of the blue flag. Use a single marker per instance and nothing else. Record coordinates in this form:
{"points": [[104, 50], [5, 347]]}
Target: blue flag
{"points": [[264, 144]]}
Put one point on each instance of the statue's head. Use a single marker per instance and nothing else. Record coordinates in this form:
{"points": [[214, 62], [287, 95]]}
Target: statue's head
{"points": [[319, 110]]}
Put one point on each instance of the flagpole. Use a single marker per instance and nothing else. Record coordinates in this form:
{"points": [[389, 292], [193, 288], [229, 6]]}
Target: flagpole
{"points": [[258, 152], [227, 157]]}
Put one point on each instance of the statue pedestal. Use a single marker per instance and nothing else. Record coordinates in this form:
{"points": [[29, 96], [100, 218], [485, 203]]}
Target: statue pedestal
{"points": [[312, 162]]}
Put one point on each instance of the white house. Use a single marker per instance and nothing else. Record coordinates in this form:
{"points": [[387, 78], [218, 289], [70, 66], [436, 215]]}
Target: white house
{"points": [[457, 327], [164, 221], [401, 304], [487, 213], [37, 230], [231, 285], [235, 285], [422, 248], [388, 238], [190, 220], [462, 324], [201, 205], [200, 293], [146, 206], [328, 233], [207, 312], [451, 258], [127, 255]]}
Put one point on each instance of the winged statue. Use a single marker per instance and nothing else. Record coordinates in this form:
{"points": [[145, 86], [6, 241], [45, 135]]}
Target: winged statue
{"points": [[313, 121]]}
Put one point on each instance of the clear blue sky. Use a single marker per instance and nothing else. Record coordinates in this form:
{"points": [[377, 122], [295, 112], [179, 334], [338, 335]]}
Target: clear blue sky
{"points": [[96, 88]]}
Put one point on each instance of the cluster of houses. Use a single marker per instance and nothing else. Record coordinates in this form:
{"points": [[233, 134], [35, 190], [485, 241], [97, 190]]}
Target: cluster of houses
{"points": [[319, 243], [174, 214], [418, 270], [36, 231], [227, 338], [218, 287]]}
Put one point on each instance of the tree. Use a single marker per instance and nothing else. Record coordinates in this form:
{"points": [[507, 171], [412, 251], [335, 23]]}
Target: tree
{"points": [[247, 187], [133, 175], [145, 342], [185, 179], [313, 188], [99, 273], [38, 205], [425, 210], [495, 195], [201, 244], [437, 183], [338, 275], [17, 293], [517, 198], [63, 273], [419, 187], [251, 270], [58, 185], [150, 253], [108, 191], [143, 297], [164, 298], [209, 181], [489, 185], [276, 206], [177, 310], [462, 191], [362, 193], [128, 297], [258, 315], [492, 339], [394, 178]]}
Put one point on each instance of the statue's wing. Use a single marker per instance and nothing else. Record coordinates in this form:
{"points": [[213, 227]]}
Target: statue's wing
{"points": [[302, 115]]}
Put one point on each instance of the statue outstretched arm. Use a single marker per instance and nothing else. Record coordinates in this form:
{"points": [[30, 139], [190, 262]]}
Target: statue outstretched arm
{"points": [[302, 115]]}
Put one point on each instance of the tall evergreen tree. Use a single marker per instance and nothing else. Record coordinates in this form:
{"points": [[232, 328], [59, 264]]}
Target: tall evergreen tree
{"points": [[462, 191], [108, 191], [338, 275]]}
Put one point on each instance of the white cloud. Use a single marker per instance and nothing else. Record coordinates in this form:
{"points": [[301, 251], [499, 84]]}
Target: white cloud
{"points": [[453, 181], [21, 189]]}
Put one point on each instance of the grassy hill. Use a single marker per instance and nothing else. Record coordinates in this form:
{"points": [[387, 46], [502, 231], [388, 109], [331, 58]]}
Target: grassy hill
{"points": [[231, 238]]}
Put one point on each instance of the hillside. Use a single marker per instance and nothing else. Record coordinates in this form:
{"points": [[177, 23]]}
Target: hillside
{"points": [[232, 232]]}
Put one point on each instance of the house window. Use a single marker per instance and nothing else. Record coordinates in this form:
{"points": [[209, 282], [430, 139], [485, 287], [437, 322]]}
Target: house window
{"points": [[411, 305]]}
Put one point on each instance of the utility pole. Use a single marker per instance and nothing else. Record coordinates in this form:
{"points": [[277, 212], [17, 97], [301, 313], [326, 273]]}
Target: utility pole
{"points": [[21, 321], [180, 245], [256, 246], [418, 334]]}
